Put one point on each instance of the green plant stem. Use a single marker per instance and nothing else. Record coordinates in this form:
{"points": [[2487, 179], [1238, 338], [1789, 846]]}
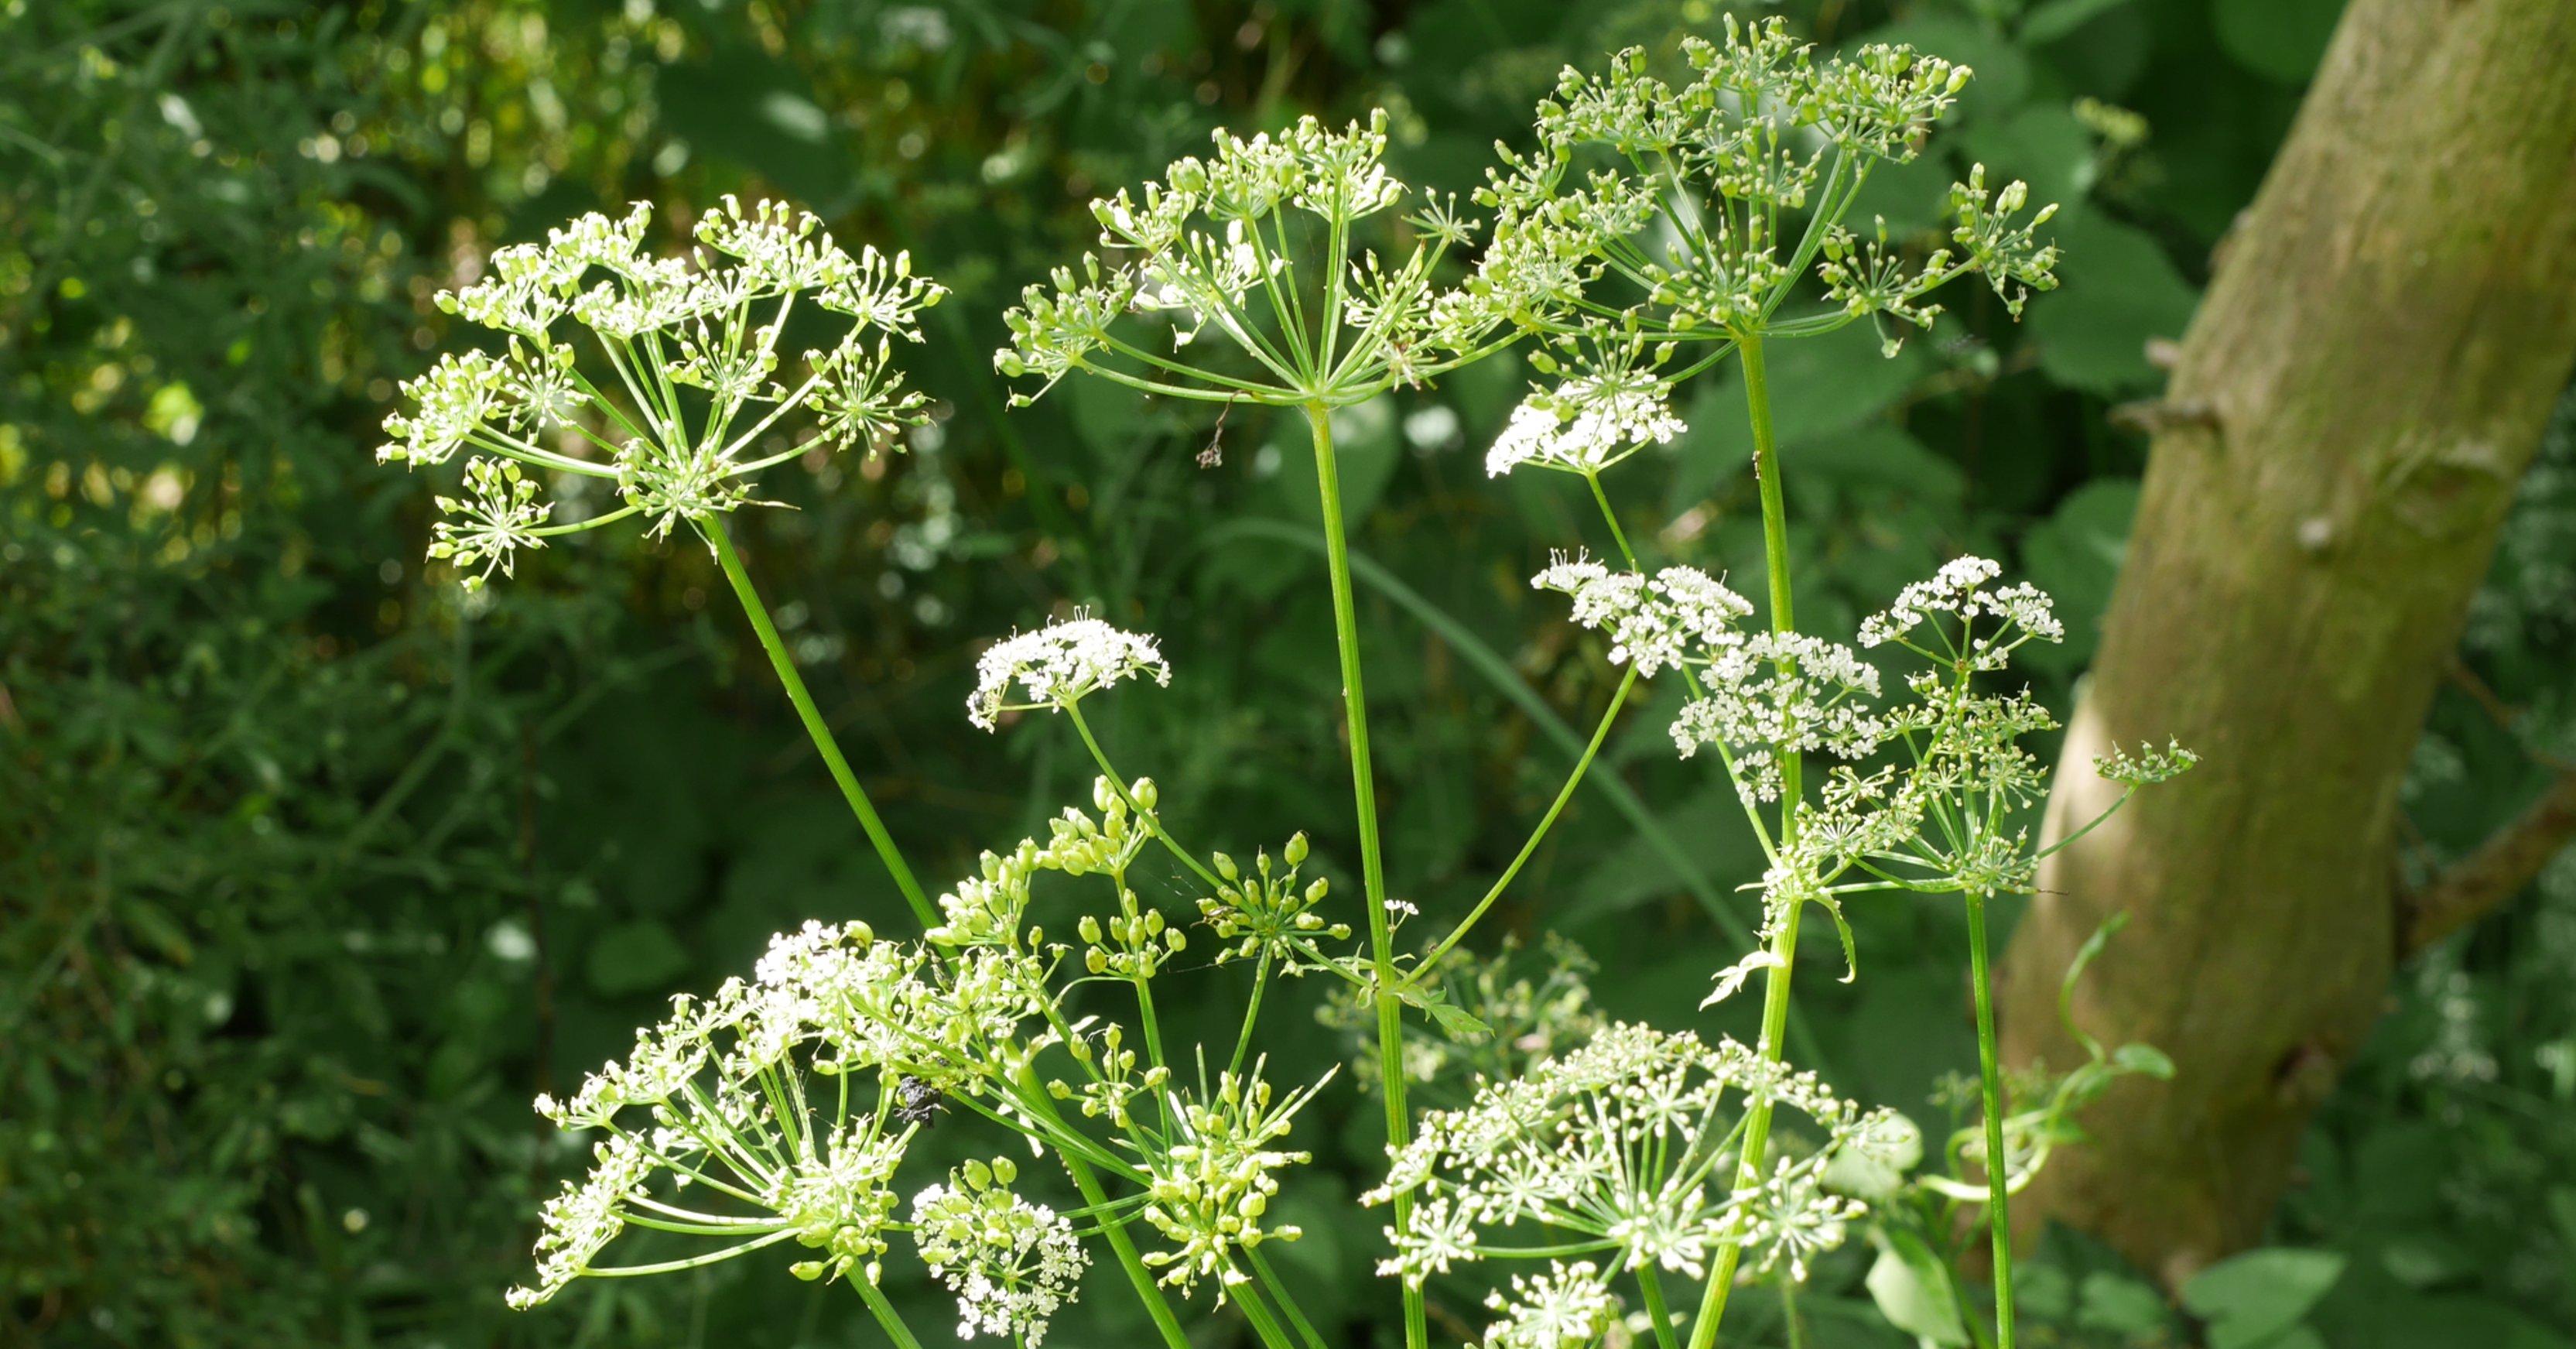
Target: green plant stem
{"points": [[1611, 517], [1248, 1297], [1652, 1286], [1251, 1011], [1148, 1292], [887, 1318], [1261, 1269], [1346, 635], [815, 727], [1784, 943], [1152, 820], [1563, 795], [1990, 1074]]}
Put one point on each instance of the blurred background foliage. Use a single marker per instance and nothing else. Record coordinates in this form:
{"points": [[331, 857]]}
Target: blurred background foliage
{"points": [[314, 870]]}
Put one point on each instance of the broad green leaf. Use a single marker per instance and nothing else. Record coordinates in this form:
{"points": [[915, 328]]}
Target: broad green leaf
{"points": [[2053, 19], [2118, 291], [1912, 1289], [2260, 1293], [2278, 39], [2107, 1301], [2146, 1059], [2075, 556]]}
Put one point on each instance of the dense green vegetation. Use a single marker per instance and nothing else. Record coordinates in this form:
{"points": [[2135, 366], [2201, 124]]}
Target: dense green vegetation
{"points": [[313, 869]]}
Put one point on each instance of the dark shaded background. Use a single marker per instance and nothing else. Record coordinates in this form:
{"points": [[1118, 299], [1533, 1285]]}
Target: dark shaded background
{"points": [[313, 870]]}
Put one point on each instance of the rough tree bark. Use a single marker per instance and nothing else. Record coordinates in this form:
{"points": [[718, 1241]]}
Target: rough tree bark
{"points": [[2354, 403]]}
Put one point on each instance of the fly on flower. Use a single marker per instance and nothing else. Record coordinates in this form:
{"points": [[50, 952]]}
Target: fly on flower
{"points": [[683, 392]]}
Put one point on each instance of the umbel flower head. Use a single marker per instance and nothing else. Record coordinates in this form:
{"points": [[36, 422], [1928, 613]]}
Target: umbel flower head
{"points": [[688, 393], [1662, 214], [1261, 243], [1011, 1263], [1629, 1139], [1055, 666], [779, 1109]]}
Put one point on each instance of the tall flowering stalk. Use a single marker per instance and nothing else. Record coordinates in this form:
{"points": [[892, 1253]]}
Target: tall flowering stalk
{"points": [[1263, 244], [1679, 223], [1647, 239], [696, 397]]}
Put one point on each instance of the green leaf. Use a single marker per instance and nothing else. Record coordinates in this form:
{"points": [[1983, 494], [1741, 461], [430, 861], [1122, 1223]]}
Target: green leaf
{"points": [[634, 957], [1912, 1289], [1457, 1023], [2125, 1306], [2053, 19], [2143, 1058], [2044, 146], [2075, 556], [2261, 1293], [761, 113], [2119, 291], [2278, 39]]}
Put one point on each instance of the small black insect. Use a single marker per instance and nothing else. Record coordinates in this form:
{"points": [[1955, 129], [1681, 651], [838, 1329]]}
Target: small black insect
{"points": [[917, 1102]]}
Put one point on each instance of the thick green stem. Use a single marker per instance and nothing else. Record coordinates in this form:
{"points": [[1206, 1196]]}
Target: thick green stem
{"points": [[815, 727], [887, 1318], [1390, 1023], [1990, 1075], [1148, 1292], [1784, 942], [1652, 1286], [1269, 1280], [1251, 1012], [1248, 1297]]}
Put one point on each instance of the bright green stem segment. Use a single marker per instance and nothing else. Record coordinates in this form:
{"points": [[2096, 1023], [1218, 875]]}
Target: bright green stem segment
{"points": [[884, 1311], [1556, 808], [1998, 1217], [1784, 943], [814, 724], [1775, 519], [1148, 1292], [1390, 1022]]}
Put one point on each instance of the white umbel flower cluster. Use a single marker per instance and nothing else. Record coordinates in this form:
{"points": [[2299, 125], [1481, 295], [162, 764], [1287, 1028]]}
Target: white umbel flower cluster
{"points": [[713, 1110], [1057, 665], [1959, 589], [1207, 246], [1619, 1139], [1588, 424], [1776, 694], [1654, 622], [1011, 1263], [1568, 1305]]}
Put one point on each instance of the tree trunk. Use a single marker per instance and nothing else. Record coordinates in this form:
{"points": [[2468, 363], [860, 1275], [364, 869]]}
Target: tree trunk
{"points": [[2354, 403]]}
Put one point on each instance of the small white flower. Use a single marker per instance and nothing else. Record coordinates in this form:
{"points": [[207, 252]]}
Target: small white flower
{"points": [[582, 1219], [1959, 589], [1810, 700], [1566, 1308], [1057, 665], [1011, 1263], [1608, 407], [1653, 622], [1589, 424]]}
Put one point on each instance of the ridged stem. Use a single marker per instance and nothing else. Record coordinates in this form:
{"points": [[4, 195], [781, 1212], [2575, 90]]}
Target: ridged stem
{"points": [[1784, 943], [1390, 1023]]}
